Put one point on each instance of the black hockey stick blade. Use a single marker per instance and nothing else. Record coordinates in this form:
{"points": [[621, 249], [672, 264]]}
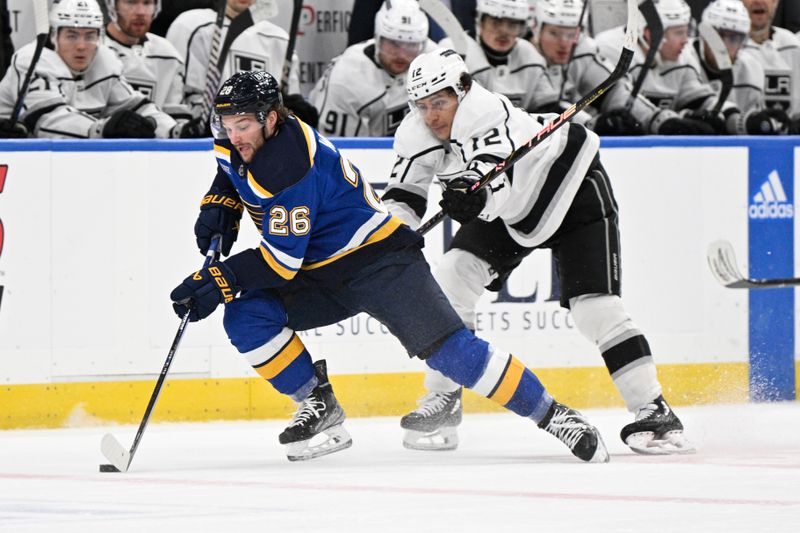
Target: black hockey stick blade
{"points": [[720, 52], [653, 21], [722, 262], [114, 452], [619, 72], [297, 8]]}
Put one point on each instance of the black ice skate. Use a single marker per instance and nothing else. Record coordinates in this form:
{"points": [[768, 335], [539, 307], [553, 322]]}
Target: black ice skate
{"points": [[656, 431], [319, 414], [571, 428], [432, 425]]}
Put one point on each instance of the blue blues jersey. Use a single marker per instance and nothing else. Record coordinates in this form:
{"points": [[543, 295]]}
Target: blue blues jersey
{"points": [[315, 211]]}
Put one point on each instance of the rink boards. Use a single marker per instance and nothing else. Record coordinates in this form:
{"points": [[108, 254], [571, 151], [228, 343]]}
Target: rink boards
{"points": [[95, 234]]}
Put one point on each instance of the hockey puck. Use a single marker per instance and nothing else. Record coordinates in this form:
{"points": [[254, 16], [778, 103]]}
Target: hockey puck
{"points": [[108, 468]]}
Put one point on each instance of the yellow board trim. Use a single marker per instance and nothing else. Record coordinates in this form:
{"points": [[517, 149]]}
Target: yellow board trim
{"points": [[279, 269], [385, 230], [283, 359], [57, 405], [509, 382]]}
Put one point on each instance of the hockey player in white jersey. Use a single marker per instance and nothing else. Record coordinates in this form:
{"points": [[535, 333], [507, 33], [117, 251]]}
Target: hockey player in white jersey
{"points": [[150, 62], [673, 81], [262, 46], [778, 51], [557, 29], [558, 197], [745, 109], [501, 61], [77, 89], [362, 93]]}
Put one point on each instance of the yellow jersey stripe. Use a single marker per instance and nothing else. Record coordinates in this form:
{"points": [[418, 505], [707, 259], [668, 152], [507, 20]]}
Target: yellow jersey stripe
{"points": [[509, 382], [258, 189], [282, 359], [222, 150], [384, 231], [273, 263], [310, 141]]}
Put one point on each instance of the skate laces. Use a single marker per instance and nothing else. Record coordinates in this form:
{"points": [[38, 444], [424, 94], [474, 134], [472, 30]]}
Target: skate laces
{"points": [[432, 403], [652, 409], [567, 427], [311, 407]]}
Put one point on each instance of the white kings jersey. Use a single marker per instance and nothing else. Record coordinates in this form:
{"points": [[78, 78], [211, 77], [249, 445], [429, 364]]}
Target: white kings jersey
{"points": [[523, 78], [747, 91], [356, 97], [260, 47], [780, 57], [675, 85], [531, 198], [588, 69], [60, 104], [155, 69]]}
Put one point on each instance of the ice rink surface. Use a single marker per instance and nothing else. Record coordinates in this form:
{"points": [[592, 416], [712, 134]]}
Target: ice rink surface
{"points": [[507, 475]]}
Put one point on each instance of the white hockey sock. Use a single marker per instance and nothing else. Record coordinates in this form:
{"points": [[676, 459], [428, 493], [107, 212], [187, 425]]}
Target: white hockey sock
{"points": [[637, 383]]}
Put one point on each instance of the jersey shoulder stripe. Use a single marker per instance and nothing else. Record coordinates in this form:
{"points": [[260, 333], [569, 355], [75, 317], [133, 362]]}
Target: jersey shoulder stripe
{"points": [[387, 227]]}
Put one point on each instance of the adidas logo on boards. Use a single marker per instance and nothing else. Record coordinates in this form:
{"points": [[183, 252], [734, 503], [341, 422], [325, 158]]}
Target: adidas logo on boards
{"points": [[771, 200]]}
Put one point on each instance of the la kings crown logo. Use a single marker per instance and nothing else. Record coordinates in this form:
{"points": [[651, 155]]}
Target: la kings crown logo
{"points": [[771, 201]]}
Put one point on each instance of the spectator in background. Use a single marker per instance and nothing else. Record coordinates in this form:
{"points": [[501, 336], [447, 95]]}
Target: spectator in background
{"points": [[778, 51], [6, 46], [787, 15], [77, 90], [363, 19], [362, 93], [170, 9], [150, 63]]}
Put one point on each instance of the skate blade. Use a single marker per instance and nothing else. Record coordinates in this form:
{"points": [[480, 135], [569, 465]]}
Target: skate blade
{"points": [[671, 443], [601, 453], [337, 439], [438, 440]]}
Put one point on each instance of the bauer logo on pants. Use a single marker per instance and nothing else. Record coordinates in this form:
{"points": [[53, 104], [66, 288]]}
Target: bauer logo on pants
{"points": [[771, 200]]}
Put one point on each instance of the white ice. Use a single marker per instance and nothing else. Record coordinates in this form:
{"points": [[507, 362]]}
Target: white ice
{"points": [[507, 475]]}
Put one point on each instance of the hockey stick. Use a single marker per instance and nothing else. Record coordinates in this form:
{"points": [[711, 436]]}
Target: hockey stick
{"points": [[297, 8], [720, 52], [619, 71], [448, 22], [653, 21], [722, 261], [117, 455], [212, 72], [42, 31]]}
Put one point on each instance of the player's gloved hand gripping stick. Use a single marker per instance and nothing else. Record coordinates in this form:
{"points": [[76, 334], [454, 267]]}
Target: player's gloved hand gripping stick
{"points": [[117, 455], [619, 71]]}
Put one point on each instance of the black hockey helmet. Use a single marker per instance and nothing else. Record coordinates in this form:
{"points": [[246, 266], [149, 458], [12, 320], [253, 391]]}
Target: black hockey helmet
{"points": [[254, 92]]}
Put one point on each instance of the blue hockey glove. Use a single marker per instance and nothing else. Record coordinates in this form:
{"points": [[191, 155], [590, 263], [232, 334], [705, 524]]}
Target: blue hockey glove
{"points": [[219, 213], [203, 291], [461, 205]]}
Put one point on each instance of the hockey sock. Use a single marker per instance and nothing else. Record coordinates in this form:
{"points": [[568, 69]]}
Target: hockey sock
{"points": [[492, 373], [286, 364]]}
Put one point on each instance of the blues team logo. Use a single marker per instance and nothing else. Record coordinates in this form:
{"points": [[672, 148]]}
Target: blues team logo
{"points": [[771, 202]]}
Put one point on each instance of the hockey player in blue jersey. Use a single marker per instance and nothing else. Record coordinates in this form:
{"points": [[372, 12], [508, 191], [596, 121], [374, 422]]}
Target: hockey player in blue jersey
{"points": [[330, 250]]}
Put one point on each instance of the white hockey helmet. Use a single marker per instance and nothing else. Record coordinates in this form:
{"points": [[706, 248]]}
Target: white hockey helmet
{"points": [[401, 20], [559, 13], [111, 8], [727, 15], [504, 9], [673, 13], [75, 14], [434, 71]]}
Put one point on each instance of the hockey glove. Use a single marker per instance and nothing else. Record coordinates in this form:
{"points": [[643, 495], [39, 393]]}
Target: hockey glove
{"points": [[460, 204], [767, 122], [616, 122], [192, 129], [12, 131], [203, 291], [685, 126], [219, 214], [126, 124], [716, 122], [302, 109]]}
